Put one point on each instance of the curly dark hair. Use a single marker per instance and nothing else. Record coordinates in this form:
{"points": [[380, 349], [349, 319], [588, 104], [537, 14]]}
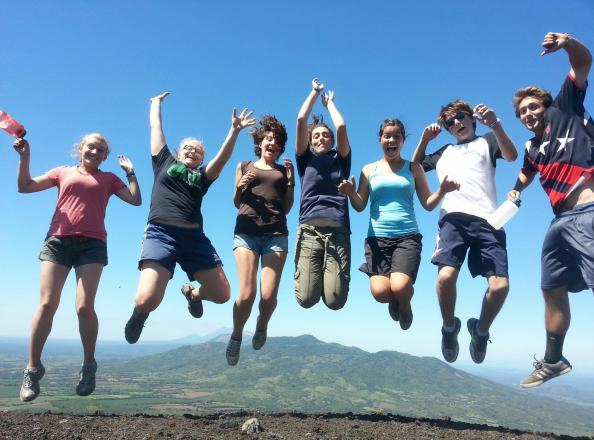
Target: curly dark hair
{"points": [[392, 122], [268, 123], [318, 121], [536, 92]]}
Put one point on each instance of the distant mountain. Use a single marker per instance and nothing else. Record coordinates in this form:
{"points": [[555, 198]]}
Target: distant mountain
{"points": [[305, 374]]}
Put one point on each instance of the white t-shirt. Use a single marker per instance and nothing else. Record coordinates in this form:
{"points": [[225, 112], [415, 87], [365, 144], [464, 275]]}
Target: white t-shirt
{"points": [[473, 165]]}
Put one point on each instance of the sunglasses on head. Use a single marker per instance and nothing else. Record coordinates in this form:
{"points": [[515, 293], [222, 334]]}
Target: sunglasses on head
{"points": [[451, 121]]}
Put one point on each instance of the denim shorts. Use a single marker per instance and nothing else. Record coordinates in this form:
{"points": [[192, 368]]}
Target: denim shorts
{"points": [[262, 244], [169, 245], [74, 250]]}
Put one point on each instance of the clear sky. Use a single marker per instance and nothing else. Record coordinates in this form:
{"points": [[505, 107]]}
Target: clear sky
{"points": [[72, 67]]}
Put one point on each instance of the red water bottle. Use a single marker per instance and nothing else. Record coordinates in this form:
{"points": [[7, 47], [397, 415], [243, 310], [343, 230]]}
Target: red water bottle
{"points": [[11, 125]]}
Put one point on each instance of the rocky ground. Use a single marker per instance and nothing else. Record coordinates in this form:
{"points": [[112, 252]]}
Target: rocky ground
{"points": [[48, 426]]}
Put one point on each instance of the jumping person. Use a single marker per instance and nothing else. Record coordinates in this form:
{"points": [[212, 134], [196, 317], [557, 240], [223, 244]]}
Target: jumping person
{"points": [[264, 196], [76, 238], [561, 151], [393, 244], [323, 244], [462, 226], [174, 233]]}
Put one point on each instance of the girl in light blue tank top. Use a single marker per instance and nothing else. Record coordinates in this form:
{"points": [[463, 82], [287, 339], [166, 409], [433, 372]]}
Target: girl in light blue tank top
{"points": [[393, 243]]}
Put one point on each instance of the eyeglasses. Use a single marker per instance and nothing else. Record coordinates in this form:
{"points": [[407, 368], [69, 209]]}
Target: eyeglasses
{"points": [[192, 149], [451, 121]]}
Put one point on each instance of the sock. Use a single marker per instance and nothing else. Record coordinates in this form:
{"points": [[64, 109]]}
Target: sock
{"points": [[554, 349], [480, 333], [449, 328]]}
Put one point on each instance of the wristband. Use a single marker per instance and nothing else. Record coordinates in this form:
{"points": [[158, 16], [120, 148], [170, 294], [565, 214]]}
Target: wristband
{"points": [[495, 123], [131, 174], [290, 185]]}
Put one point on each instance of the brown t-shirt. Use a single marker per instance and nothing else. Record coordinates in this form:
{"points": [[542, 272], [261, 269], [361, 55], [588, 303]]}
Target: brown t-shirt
{"points": [[261, 204]]}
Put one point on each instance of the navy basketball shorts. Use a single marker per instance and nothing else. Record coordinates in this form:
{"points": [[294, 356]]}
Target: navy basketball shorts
{"points": [[567, 257], [461, 233]]}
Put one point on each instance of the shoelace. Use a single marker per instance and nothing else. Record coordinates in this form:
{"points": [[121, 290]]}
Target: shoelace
{"points": [[86, 374], [27, 380], [537, 364]]}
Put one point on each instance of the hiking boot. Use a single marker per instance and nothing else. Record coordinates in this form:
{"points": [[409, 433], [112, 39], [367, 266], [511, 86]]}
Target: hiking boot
{"points": [[232, 352], [406, 318], [544, 371], [449, 342], [86, 382], [478, 344], [134, 326], [393, 310], [259, 339], [30, 387], [194, 305]]}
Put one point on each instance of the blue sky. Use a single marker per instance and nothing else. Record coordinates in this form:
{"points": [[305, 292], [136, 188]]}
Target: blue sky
{"points": [[74, 67]]}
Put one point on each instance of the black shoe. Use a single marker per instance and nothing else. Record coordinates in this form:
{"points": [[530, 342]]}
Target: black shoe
{"points": [[134, 326], [86, 383], [194, 305], [449, 342], [393, 310], [478, 344], [406, 318]]}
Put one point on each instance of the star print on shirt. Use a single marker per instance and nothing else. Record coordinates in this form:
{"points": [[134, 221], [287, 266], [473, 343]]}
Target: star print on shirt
{"points": [[542, 147], [564, 141]]}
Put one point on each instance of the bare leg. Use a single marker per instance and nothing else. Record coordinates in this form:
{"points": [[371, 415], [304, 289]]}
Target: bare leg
{"points": [[493, 301], [87, 282], [247, 270], [214, 285], [272, 269], [401, 286], [52, 279], [151, 286], [446, 293]]}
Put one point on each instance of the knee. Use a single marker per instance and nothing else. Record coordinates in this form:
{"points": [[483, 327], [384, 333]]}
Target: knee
{"points": [[336, 304], [48, 308], [85, 311], [382, 295], [336, 300], [224, 292], [445, 282], [307, 301], [499, 289]]}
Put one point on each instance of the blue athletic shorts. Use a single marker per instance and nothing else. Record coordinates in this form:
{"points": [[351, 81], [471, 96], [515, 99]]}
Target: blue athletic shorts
{"points": [[168, 245], [262, 244], [567, 257], [459, 233]]}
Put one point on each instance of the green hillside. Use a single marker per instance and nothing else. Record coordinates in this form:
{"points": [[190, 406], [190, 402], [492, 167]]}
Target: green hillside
{"points": [[299, 374]]}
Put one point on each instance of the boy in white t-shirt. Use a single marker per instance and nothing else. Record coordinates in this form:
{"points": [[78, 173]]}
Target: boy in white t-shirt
{"points": [[462, 223]]}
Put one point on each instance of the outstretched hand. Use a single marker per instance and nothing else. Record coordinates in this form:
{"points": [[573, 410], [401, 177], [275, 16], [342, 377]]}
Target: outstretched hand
{"points": [[430, 132], [317, 85], [347, 186], [485, 115], [160, 97], [126, 164], [21, 146], [245, 181], [327, 98], [290, 170], [448, 185], [243, 120], [553, 41]]}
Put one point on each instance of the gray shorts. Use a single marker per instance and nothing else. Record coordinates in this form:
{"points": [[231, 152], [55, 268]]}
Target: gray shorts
{"points": [[74, 250], [262, 244]]}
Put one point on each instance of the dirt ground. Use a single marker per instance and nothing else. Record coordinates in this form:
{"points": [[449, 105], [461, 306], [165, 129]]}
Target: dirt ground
{"points": [[48, 426]]}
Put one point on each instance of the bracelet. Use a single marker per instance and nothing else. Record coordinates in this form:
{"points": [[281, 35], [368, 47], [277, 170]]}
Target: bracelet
{"points": [[290, 185], [131, 174], [495, 123]]}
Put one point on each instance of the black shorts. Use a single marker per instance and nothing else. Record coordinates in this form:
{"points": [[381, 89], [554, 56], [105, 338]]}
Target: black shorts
{"points": [[386, 255], [459, 233], [567, 257]]}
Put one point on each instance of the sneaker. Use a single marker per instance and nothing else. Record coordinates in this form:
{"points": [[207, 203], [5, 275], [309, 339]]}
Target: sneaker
{"points": [[134, 326], [259, 339], [544, 371], [393, 310], [449, 342], [194, 305], [86, 382], [232, 352], [406, 318], [478, 344], [30, 387]]}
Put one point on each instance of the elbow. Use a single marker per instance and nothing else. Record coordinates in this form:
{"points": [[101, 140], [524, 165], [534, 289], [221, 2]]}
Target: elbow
{"points": [[137, 202], [512, 157]]}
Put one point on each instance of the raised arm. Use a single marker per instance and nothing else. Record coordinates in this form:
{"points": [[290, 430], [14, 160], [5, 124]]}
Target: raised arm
{"points": [[25, 183], [157, 137], [360, 197], [290, 194], [302, 138], [428, 200], [131, 193], [490, 119], [342, 140], [580, 57], [238, 123], [429, 133]]}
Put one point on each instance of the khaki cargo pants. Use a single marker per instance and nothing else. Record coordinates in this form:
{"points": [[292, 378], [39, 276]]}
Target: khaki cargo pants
{"points": [[322, 265]]}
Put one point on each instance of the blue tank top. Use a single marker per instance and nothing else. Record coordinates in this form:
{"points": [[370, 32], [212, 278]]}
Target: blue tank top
{"points": [[392, 212]]}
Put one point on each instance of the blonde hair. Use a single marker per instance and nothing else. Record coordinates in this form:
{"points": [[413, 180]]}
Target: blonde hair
{"points": [[84, 139]]}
